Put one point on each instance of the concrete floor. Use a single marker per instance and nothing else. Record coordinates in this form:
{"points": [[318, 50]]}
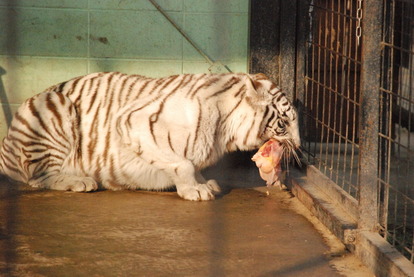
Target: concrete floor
{"points": [[135, 233]]}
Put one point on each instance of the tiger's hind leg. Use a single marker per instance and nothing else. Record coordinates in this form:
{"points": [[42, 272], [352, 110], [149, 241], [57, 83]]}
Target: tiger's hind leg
{"points": [[42, 138], [65, 182]]}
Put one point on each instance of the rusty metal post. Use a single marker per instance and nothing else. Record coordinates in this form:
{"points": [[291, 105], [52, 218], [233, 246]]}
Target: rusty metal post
{"points": [[371, 62]]}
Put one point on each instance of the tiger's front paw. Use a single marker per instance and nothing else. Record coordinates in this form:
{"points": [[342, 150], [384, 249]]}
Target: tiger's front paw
{"points": [[199, 192], [83, 184]]}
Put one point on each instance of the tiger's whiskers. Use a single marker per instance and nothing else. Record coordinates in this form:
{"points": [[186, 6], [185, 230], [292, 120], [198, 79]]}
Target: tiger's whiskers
{"points": [[290, 150]]}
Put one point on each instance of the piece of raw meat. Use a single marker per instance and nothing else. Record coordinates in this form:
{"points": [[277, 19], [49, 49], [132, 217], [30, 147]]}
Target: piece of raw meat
{"points": [[268, 160]]}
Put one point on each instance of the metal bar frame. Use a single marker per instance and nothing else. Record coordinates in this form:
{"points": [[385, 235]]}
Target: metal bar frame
{"points": [[368, 154]]}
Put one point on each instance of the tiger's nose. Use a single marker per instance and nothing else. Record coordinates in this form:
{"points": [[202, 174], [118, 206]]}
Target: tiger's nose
{"points": [[295, 135]]}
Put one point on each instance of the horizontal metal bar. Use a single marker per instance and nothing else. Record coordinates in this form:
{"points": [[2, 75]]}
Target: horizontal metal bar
{"points": [[332, 90], [399, 144], [337, 133], [335, 12], [393, 46], [402, 194], [398, 96], [335, 52]]}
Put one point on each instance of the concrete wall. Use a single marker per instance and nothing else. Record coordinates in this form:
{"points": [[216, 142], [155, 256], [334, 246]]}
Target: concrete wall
{"points": [[43, 42]]}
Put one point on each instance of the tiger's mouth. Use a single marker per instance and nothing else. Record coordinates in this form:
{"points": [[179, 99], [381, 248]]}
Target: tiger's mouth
{"points": [[289, 141], [270, 157], [268, 160], [290, 149]]}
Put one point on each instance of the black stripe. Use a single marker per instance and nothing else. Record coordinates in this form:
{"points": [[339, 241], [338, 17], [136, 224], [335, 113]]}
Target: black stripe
{"points": [[241, 90], [33, 142], [250, 129], [52, 107], [200, 114], [93, 134], [232, 110], [97, 173], [168, 81], [107, 145], [108, 115], [227, 86], [191, 92], [212, 149], [74, 87], [169, 142], [152, 119], [108, 90], [61, 87], [95, 93], [58, 129], [62, 98], [122, 89], [112, 169], [280, 96], [186, 146], [28, 126], [141, 89], [128, 121], [211, 81]]}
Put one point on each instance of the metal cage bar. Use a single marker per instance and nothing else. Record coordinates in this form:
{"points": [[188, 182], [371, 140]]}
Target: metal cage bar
{"points": [[371, 56], [396, 136], [332, 101]]}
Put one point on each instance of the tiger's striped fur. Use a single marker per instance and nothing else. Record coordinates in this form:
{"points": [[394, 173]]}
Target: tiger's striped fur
{"points": [[129, 131]]}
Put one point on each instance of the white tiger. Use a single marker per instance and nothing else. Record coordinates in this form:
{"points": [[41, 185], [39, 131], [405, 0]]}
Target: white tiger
{"points": [[117, 131]]}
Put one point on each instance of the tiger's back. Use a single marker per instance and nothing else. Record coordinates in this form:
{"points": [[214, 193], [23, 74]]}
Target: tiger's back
{"points": [[129, 131]]}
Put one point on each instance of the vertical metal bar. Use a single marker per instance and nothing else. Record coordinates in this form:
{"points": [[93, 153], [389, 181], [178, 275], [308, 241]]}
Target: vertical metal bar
{"points": [[287, 47], [356, 96], [394, 82], [333, 101], [319, 106], [371, 58], [264, 38], [337, 111], [342, 46], [323, 45], [329, 87], [346, 82], [409, 159], [302, 29], [310, 84], [385, 84]]}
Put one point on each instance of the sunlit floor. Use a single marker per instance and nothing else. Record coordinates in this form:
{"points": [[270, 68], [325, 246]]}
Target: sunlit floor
{"points": [[135, 233]]}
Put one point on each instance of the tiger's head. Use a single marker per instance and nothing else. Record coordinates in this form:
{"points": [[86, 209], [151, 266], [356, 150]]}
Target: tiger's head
{"points": [[280, 119]]}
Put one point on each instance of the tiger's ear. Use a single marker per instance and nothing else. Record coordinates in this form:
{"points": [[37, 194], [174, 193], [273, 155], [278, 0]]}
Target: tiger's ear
{"points": [[257, 89], [259, 76]]}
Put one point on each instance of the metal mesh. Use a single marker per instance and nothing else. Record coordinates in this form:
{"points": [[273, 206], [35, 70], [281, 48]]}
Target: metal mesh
{"points": [[396, 137], [333, 106], [332, 84]]}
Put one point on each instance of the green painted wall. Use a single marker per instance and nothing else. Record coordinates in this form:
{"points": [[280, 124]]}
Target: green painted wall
{"points": [[43, 42]]}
